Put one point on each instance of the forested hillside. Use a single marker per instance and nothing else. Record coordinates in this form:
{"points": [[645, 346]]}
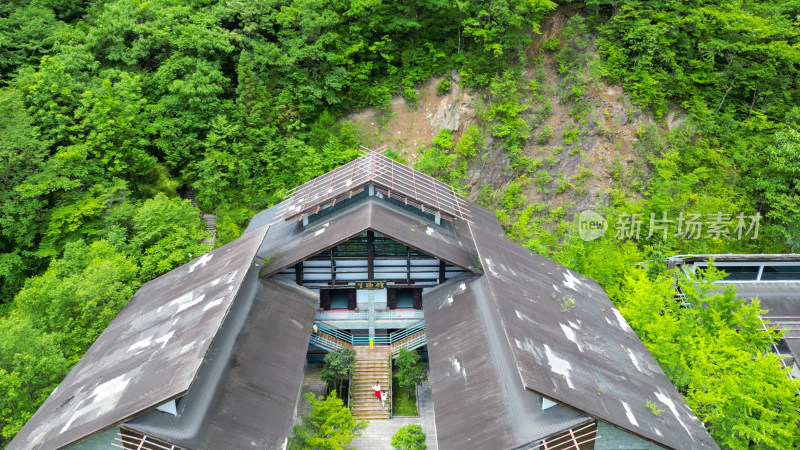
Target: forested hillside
{"points": [[111, 109]]}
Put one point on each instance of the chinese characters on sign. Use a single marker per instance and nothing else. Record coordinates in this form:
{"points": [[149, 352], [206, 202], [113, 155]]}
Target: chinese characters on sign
{"points": [[370, 285], [689, 226]]}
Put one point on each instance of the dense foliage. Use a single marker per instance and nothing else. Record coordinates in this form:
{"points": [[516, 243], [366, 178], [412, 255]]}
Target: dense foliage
{"points": [[734, 68], [110, 109]]}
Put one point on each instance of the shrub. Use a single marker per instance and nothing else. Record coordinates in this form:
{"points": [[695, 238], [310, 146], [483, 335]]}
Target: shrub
{"points": [[443, 87], [471, 142], [409, 437], [570, 136], [545, 135], [551, 44], [541, 178], [444, 139]]}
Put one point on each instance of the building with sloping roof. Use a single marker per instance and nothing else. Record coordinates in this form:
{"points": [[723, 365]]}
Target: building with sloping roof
{"points": [[523, 352], [773, 279]]}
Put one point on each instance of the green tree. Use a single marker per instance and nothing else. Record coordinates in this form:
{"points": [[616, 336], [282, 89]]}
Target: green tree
{"points": [[79, 295], [471, 142], [339, 365], [110, 125], [409, 437], [328, 426], [22, 153], [166, 232], [31, 365], [775, 178], [27, 31], [410, 372]]}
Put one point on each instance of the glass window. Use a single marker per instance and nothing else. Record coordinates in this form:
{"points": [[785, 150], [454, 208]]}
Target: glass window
{"points": [[405, 298], [772, 273], [739, 273], [338, 299]]}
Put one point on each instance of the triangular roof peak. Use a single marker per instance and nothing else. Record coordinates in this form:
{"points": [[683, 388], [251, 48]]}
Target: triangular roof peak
{"points": [[390, 178]]}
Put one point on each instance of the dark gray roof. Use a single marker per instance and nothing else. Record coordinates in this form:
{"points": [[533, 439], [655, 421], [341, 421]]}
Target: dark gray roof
{"points": [[478, 397], [288, 242], [149, 353], [782, 302], [245, 394], [585, 355]]}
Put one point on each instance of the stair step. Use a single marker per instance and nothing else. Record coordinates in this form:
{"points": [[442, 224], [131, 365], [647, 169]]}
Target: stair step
{"points": [[371, 365]]}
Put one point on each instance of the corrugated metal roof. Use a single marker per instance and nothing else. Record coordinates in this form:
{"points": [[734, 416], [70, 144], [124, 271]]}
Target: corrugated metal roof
{"points": [[245, 394], [149, 353], [571, 344], [478, 397], [399, 180]]}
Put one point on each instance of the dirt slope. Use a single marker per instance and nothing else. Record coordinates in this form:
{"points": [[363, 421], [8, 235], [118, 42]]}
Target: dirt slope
{"points": [[583, 171]]}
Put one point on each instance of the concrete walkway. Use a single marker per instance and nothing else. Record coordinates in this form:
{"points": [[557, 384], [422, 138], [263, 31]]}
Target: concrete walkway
{"points": [[378, 434]]}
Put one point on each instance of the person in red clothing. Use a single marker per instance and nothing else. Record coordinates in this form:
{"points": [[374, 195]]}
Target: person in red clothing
{"points": [[377, 388]]}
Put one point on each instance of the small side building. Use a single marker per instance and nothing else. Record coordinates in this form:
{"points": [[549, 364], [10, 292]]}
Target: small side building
{"points": [[774, 279]]}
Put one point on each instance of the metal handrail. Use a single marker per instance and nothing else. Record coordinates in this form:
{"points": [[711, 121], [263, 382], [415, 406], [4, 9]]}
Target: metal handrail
{"points": [[407, 331], [364, 339]]}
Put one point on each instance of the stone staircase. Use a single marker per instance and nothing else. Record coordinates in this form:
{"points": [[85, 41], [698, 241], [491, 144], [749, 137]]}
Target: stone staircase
{"points": [[209, 219], [372, 364]]}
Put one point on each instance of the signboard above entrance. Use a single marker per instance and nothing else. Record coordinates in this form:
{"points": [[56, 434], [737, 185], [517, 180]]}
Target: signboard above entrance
{"points": [[370, 285]]}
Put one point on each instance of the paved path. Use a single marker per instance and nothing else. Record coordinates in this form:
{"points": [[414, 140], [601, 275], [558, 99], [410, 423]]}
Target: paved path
{"points": [[378, 435], [312, 382]]}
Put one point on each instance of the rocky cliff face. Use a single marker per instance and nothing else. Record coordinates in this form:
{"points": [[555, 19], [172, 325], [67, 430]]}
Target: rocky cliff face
{"points": [[582, 147]]}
